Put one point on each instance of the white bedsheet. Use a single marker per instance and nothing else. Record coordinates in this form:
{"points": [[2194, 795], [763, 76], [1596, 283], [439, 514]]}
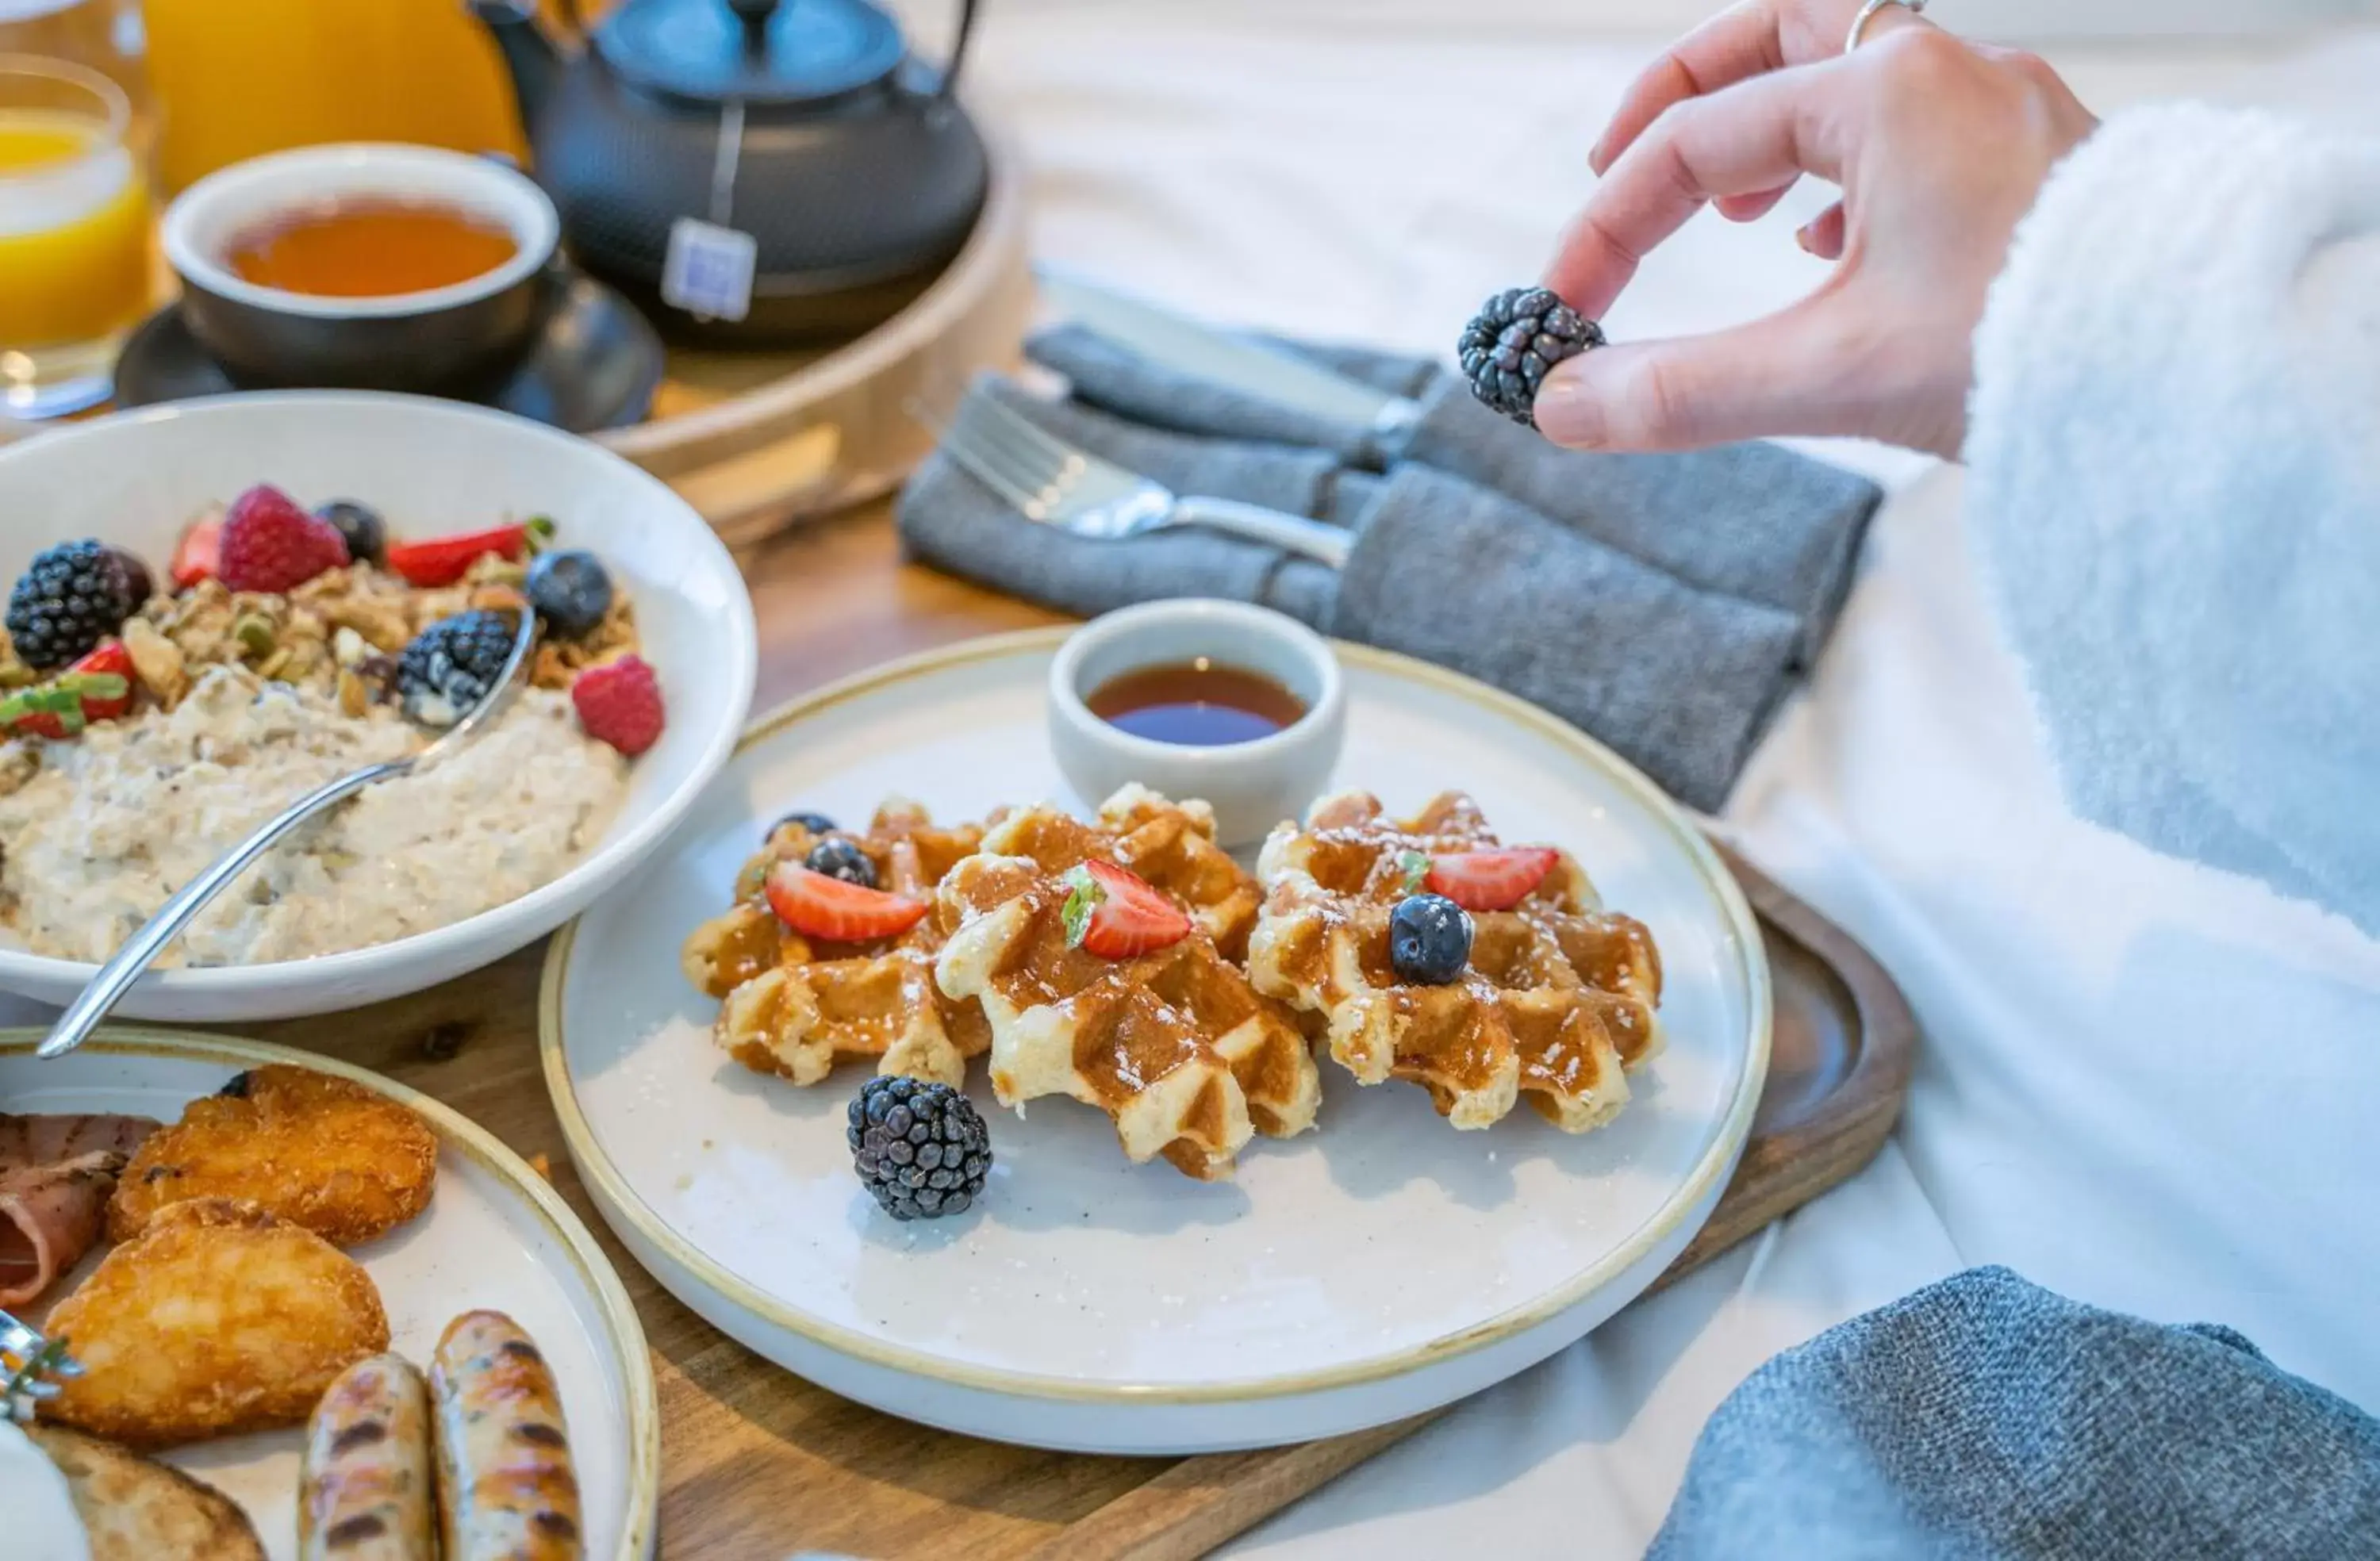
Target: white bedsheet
{"points": [[2144, 1084]]}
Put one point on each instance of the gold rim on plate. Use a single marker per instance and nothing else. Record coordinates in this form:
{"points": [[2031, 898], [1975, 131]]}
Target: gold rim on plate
{"points": [[481, 1147], [1732, 1129]]}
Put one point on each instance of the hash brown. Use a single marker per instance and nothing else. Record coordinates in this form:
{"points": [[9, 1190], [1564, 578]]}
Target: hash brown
{"points": [[344, 1161], [137, 1510], [218, 1317]]}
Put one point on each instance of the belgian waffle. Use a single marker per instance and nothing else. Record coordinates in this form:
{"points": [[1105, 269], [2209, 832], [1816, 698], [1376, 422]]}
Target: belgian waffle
{"points": [[793, 1007], [1173, 1045], [1556, 1003]]}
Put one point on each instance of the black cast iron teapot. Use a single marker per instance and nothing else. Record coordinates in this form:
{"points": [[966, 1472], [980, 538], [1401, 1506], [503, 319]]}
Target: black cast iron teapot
{"points": [[693, 143]]}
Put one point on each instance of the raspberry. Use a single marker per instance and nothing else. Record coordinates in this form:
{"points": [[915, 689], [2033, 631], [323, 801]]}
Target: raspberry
{"points": [[268, 544], [620, 703]]}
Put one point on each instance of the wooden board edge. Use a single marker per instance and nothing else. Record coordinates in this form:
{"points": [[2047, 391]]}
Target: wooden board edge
{"points": [[1201, 1502]]}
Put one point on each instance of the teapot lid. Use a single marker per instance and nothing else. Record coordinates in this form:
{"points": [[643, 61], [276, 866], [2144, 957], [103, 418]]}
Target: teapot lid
{"points": [[774, 52]]}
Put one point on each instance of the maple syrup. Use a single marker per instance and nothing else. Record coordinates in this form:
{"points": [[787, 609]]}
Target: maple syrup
{"points": [[1197, 704]]}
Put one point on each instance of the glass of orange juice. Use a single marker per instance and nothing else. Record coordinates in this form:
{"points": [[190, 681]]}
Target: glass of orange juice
{"points": [[74, 235]]}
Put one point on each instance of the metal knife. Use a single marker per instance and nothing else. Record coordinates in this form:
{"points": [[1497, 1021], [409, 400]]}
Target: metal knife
{"points": [[1252, 368]]}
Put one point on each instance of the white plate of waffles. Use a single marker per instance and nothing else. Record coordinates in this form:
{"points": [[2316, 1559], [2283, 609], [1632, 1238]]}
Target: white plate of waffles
{"points": [[1244, 1244]]}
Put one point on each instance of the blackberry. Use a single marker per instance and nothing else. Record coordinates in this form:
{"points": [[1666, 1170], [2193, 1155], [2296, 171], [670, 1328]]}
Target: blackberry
{"points": [[454, 660], [1429, 940], [1514, 338], [839, 858], [918, 1147], [70, 598]]}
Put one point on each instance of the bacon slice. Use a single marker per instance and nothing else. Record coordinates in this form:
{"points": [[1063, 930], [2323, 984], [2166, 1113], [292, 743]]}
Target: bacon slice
{"points": [[46, 1139], [56, 1174]]}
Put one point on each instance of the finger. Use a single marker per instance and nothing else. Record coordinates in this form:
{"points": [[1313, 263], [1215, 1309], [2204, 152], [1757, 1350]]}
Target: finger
{"points": [[1822, 235], [1751, 208], [1751, 137], [1795, 372], [1738, 43]]}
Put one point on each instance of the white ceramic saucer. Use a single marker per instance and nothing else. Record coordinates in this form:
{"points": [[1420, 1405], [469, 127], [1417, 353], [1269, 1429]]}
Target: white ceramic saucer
{"points": [[495, 1235], [1378, 1267]]}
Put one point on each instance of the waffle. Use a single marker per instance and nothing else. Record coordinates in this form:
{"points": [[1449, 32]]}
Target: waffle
{"points": [[795, 1006], [1556, 1003], [1174, 1045]]}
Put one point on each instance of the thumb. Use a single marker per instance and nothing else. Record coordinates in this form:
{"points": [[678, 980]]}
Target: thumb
{"points": [[1794, 372]]}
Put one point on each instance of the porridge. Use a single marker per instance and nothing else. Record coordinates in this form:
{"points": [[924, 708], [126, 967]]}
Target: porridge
{"points": [[105, 828], [143, 730]]}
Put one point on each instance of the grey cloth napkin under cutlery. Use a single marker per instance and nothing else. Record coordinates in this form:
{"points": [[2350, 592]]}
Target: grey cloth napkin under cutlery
{"points": [[1587, 611]]}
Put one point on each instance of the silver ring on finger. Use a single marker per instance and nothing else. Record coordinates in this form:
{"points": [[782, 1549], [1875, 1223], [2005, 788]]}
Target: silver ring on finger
{"points": [[1868, 8]]}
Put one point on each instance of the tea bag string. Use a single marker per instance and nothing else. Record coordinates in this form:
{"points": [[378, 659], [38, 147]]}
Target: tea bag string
{"points": [[723, 165]]}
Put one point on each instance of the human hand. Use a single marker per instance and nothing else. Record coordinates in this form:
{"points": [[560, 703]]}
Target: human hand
{"points": [[1939, 147]]}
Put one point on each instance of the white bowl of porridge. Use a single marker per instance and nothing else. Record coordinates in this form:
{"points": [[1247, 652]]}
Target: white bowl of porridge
{"points": [[231, 703]]}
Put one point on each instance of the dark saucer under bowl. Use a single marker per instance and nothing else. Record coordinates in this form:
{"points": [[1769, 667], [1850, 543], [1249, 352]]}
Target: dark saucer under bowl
{"points": [[595, 364]]}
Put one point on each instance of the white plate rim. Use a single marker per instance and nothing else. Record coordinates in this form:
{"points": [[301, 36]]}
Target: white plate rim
{"points": [[625, 1333], [619, 1199]]}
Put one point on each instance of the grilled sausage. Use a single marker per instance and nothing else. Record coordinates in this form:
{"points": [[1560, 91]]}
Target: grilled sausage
{"points": [[366, 1491], [507, 1491]]}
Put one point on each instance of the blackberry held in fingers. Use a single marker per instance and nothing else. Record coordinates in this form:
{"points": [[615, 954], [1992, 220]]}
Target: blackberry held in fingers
{"points": [[70, 598], [920, 1148], [1429, 940], [451, 665], [839, 858], [1516, 336]]}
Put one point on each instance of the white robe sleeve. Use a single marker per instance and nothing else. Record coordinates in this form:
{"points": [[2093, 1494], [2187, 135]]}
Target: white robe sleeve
{"points": [[2175, 493]]}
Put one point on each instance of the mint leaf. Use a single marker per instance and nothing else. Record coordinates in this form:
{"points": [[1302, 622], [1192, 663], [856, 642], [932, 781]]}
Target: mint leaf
{"points": [[1083, 896], [1416, 868]]}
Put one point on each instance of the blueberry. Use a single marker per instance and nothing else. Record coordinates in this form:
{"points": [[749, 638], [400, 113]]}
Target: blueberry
{"points": [[359, 527], [1429, 940], [838, 858], [815, 823], [570, 590]]}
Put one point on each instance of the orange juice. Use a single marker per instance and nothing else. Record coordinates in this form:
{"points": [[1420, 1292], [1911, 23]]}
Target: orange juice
{"points": [[74, 230], [236, 78]]}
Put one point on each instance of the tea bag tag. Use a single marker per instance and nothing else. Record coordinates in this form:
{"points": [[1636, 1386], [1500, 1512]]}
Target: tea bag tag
{"points": [[709, 269]]}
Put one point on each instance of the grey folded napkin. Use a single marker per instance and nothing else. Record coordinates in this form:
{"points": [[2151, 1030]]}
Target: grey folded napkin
{"points": [[1985, 1417], [1748, 520], [1680, 681]]}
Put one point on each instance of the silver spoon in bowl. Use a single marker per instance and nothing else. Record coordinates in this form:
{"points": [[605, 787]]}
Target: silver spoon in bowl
{"points": [[117, 976]]}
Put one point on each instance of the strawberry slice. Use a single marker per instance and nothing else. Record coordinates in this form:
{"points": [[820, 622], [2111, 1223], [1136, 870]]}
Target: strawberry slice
{"points": [[442, 560], [818, 906], [1116, 914], [200, 552], [98, 687], [1491, 880]]}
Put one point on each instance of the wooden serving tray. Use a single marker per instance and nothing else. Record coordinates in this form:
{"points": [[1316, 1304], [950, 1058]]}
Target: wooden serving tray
{"points": [[757, 1464]]}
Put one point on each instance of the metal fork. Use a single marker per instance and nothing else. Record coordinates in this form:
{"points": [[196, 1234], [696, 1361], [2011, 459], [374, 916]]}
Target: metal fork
{"points": [[1052, 481], [31, 1368]]}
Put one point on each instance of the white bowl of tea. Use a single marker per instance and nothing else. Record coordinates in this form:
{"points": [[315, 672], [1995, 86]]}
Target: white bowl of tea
{"points": [[365, 266]]}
